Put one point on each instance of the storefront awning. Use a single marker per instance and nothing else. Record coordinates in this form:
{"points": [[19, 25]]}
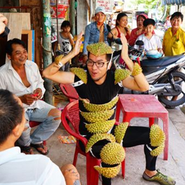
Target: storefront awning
{"points": [[177, 2]]}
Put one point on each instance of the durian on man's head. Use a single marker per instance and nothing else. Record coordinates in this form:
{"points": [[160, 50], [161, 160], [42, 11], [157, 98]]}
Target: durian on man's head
{"points": [[99, 49]]}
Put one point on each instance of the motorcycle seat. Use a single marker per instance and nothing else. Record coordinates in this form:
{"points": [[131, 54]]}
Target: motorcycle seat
{"points": [[163, 61]]}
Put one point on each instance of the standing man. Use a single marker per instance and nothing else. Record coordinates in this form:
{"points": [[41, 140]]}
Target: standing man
{"points": [[22, 77], [96, 31], [98, 89]]}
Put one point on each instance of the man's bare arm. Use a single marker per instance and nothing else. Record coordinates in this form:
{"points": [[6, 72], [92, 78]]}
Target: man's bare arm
{"points": [[52, 71]]}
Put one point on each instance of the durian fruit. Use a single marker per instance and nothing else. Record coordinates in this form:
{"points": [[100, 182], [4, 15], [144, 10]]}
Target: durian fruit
{"points": [[112, 153], [108, 172], [100, 127], [93, 117], [99, 107], [80, 73], [157, 151], [136, 70], [157, 139], [157, 136], [121, 74], [97, 137], [58, 58], [119, 131], [99, 49]]}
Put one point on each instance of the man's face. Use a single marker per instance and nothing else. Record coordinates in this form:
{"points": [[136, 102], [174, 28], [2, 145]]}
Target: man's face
{"points": [[97, 67], [19, 55], [149, 28], [176, 22], [100, 17]]}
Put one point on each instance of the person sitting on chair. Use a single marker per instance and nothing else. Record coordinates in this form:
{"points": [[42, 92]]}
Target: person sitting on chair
{"points": [[22, 77], [98, 89], [25, 169]]}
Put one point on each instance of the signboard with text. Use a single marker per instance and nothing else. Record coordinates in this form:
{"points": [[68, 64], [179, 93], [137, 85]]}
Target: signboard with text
{"points": [[108, 4]]}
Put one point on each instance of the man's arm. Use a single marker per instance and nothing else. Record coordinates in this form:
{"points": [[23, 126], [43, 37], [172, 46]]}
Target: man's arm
{"points": [[70, 174], [3, 23], [137, 82], [52, 71]]}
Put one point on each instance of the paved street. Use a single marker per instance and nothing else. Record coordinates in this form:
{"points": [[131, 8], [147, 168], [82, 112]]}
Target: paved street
{"points": [[135, 162]]}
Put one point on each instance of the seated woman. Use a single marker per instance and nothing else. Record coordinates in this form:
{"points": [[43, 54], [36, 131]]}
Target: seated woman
{"points": [[139, 30], [121, 27]]}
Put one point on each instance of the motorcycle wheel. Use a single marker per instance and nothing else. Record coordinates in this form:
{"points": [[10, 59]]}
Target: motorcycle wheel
{"points": [[173, 101]]}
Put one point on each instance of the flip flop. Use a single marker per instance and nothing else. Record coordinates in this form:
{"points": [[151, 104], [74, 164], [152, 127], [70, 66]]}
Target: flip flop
{"points": [[37, 146], [26, 149]]}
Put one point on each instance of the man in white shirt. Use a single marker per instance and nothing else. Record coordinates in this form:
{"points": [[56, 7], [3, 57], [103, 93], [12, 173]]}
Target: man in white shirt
{"points": [[18, 168], [22, 77]]}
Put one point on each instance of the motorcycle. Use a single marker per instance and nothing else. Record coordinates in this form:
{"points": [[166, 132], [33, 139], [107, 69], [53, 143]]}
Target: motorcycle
{"points": [[166, 81]]}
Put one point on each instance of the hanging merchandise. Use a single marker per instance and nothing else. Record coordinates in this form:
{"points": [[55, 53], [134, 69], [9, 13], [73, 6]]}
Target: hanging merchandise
{"points": [[62, 8]]}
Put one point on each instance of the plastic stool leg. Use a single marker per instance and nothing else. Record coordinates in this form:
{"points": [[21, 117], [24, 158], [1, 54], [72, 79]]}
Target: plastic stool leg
{"points": [[92, 174]]}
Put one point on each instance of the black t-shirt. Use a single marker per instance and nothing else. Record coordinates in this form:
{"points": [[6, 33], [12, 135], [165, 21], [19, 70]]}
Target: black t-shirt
{"points": [[96, 94]]}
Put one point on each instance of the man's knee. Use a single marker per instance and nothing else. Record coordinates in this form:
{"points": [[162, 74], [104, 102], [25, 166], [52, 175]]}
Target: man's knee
{"points": [[55, 113]]}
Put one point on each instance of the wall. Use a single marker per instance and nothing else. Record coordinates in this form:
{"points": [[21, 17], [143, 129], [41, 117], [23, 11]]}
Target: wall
{"points": [[35, 9], [82, 16]]}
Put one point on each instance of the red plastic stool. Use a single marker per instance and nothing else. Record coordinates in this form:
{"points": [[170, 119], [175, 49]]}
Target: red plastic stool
{"points": [[134, 106]]}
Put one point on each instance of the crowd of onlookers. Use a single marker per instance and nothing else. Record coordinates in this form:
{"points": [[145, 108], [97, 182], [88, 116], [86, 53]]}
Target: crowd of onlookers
{"points": [[173, 42]]}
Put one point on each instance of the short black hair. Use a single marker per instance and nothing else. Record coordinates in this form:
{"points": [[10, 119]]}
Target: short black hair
{"points": [[65, 24], [177, 14], [11, 113], [9, 44], [148, 22]]}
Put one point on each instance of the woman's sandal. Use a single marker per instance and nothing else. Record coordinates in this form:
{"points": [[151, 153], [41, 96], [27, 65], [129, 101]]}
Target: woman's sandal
{"points": [[41, 146]]}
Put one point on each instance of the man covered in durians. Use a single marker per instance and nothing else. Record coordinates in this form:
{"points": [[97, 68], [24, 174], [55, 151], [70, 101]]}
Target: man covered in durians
{"points": [[98, 88]]}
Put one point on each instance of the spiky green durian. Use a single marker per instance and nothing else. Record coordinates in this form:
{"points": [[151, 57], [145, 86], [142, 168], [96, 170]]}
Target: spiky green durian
{"points": [[97, 137], [99, 107], [80, 73], [121, 74], [93, 117], [136, 70], [157, 150], [157, 136], [100, 127], [112, 153], [58, 58], [108, 172], [99, 49], [120, 130]]}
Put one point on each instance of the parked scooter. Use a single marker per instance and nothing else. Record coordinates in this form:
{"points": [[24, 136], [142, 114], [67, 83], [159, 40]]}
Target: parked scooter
{"points": [[164, 76]]}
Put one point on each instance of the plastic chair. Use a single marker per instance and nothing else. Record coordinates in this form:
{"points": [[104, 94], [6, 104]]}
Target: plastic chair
{"points": [[69, 91], [34, 124], [70, 115]]}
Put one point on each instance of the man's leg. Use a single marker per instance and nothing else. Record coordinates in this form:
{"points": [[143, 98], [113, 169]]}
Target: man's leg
{"points": [[141, 135], [50, 118], [24, 141]]}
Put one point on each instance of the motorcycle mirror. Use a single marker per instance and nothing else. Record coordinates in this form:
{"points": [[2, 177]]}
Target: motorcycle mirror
{"points": [[139, 43]]}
